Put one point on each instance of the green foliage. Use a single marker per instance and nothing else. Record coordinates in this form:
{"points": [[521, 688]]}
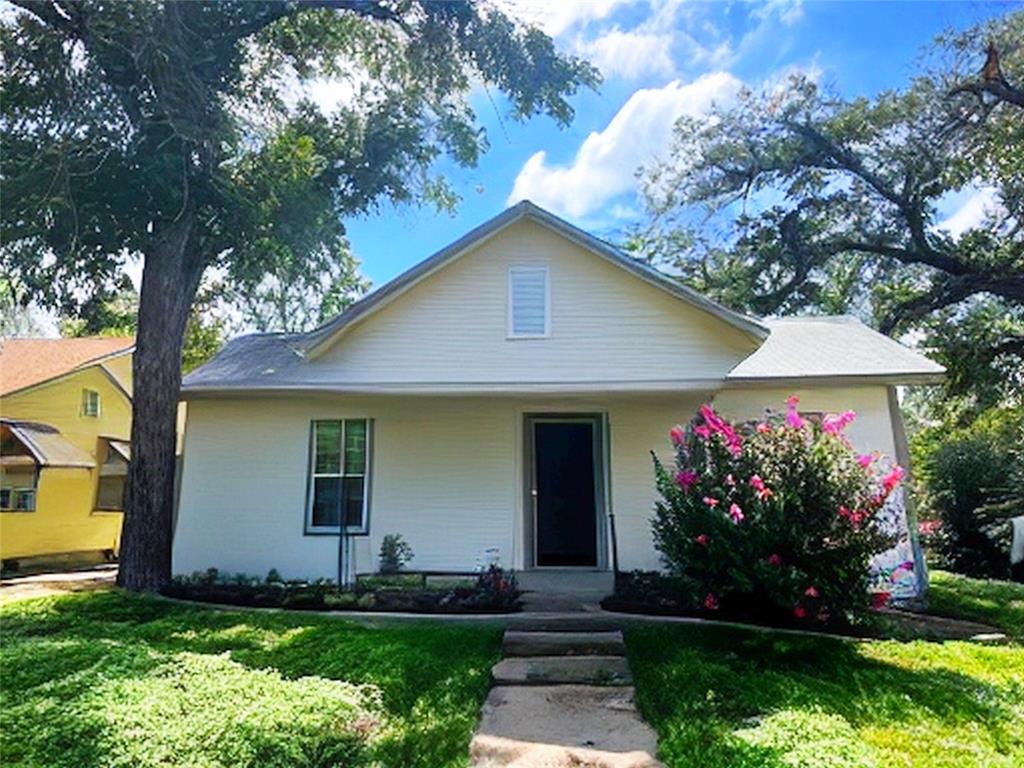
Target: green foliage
{"points": [[16, 319], [726, 697], [118, 316], [186, 133], [104, 679], [772, 520], [998, 603], [395, 553], [493, 591], [793, 200], [144, 114], [971, 484]]}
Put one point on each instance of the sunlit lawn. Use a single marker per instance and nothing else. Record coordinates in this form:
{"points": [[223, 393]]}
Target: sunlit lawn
{"points": [[736, 697], [999, 603], [106, 679]]}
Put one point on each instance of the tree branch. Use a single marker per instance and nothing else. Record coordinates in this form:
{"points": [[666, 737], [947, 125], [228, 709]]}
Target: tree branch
{"points": [[950, 291]]}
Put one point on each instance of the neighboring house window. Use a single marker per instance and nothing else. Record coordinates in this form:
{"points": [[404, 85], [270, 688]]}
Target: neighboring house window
{"points": [[113, 470], [529, 302], [90, 403], [18, 499], [339, 474]]}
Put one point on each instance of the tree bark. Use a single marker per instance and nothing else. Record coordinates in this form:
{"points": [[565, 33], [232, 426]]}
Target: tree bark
{"points": [[170, 279]]}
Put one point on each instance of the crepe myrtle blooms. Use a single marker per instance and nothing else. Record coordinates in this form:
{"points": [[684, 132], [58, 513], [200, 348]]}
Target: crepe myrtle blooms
{"points": [[677, 435], [686, 479], [736, 512], [716, 425], [793, 417], [763, 492], [710, 602], [834, 425], [892, 478], [735, 483]]}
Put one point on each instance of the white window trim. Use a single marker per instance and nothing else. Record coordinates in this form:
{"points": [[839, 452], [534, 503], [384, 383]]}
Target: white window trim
{"points": [[335, 530], [510, 334]]}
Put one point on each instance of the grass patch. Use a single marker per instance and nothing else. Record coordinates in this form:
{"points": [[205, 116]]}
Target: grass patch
{"points": [[999, 603], [100, 679], [745, 699]]}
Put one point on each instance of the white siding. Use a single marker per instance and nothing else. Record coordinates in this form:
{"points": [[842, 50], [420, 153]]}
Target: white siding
{"points": [[870, 431], [447, 473], [606, 325]]}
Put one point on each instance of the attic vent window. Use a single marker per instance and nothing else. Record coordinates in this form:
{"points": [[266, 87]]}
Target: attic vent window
{"points": [[529, 302]]}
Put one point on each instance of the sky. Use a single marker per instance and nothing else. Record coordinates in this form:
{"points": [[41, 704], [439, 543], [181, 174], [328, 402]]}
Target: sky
{"points": [[660, 59]]}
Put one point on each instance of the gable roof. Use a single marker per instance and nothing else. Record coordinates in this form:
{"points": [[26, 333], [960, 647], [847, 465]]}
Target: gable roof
{"points": [[803, 348], [319, 339], [26, 363]]}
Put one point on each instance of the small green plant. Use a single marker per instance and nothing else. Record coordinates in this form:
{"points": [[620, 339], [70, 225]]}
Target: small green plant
{"points": [[395, 553]]}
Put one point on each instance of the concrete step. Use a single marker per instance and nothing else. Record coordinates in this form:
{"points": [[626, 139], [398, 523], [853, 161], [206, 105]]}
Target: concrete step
{"points": [[518, 643], [580, 623], [559, 670], [562, 726]]}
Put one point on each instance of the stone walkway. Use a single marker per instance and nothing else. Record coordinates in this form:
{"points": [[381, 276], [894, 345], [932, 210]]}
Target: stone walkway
{"points": [[562, 698]]}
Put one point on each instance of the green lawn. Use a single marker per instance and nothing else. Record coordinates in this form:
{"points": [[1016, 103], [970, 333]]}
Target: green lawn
{"points": [[735, 697], [999, 603], [107, 679]]}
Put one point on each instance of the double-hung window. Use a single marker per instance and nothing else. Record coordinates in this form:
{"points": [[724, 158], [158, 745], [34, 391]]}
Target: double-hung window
{"points": [[90, 403], [339, 476]]}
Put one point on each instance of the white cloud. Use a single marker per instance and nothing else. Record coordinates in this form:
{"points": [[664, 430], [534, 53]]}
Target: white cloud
{"points": [[629, 54], [557, 16], [981, 203], [789, 12], [606, 163]]}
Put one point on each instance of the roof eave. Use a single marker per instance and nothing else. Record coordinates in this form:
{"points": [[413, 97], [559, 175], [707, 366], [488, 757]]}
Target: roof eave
{"points": [[909, 378]]}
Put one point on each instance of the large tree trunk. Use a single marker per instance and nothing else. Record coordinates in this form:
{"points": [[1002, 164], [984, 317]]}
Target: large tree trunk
{"points": [[170, 278]]}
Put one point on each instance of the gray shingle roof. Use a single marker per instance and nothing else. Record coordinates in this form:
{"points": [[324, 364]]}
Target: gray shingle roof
{"points": [[792, 348], [833, 347]]}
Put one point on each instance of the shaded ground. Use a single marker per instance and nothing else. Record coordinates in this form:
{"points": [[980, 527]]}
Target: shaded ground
{"points": [[108, 679], [56, 583]]}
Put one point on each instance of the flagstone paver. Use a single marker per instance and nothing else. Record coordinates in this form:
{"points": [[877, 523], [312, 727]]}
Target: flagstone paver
{"points": [[562, 699], [527, 643]]}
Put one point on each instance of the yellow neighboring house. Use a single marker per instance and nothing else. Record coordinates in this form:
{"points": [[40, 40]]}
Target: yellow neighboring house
{"points": [[65, 422]]}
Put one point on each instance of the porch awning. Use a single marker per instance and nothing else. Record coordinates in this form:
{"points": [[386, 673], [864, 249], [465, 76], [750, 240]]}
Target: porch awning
{"points": [[46, 445]]}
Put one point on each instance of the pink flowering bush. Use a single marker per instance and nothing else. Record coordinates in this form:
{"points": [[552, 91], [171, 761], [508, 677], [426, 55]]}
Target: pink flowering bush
{"points": [[774, 518]]}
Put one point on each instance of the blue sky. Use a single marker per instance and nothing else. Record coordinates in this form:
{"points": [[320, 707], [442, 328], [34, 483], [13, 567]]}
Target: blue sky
{"points": [[660, 59]]}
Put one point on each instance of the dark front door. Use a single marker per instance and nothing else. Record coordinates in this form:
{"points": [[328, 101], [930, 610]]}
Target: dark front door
{"points": [[566, 524]]}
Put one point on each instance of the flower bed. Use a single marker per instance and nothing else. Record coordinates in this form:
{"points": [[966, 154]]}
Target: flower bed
{"points": [[492, 591]]}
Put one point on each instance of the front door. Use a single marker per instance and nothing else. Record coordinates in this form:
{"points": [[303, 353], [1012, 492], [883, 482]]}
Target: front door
{"points": [[565, 493]]}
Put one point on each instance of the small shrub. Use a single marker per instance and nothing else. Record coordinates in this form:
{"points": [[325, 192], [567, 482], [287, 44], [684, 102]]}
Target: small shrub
{"points": [[493, 591], [395, 553], [971, 479], [777, 518], [498, 587]]}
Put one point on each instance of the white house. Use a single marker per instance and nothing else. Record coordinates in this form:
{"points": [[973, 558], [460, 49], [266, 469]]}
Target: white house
{"points": [[499, 399]]}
